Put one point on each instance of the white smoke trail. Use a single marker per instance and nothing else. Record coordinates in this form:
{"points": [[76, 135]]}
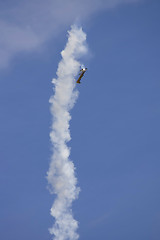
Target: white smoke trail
{"points": [[61, 175]]}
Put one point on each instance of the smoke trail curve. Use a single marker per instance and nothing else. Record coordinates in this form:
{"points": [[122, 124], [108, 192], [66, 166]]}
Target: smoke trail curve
{"points": [[61, 176]]}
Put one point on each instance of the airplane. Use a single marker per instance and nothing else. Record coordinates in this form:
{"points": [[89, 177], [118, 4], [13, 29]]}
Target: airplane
{"points": [[82, 72]]}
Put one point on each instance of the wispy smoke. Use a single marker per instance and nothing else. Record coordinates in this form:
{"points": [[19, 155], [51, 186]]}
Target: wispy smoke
{"points": [[20, 33], [61, 176]]}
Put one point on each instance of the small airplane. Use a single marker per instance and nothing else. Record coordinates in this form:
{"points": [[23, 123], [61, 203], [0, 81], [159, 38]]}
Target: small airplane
{"points": [[82, 72]]}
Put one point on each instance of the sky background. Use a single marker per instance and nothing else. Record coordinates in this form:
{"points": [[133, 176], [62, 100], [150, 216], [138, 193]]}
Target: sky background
{"points": [[115, 122]]}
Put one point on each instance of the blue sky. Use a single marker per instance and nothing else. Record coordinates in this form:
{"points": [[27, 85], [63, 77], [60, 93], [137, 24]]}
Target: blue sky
{"points": [[114, 127]]}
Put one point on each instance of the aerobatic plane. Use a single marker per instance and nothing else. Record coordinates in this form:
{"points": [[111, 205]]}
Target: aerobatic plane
{"points": [[82, 72]]}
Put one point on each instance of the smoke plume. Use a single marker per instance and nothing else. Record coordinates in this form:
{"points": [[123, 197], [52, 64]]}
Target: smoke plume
{"points": [[61, 176]]}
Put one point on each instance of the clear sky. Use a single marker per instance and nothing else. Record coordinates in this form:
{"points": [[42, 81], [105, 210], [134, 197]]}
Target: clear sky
{"points": [[115, 122]]}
